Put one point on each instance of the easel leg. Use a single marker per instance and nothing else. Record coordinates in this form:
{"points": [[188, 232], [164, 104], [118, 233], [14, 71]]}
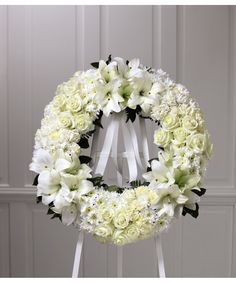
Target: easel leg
{"points": [[119, 261], [160, 259], [78, 251]]}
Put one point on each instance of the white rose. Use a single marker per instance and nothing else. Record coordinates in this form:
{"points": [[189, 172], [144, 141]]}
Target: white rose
{"points": [[104, 230], [179, 135], [82, 121], [132, 232], [162, 137], [121, 220], [197, 143], [106, 215], [74, 104], [120, 238], [189, 123], [59, 101], [170, 122], [66, 120]]}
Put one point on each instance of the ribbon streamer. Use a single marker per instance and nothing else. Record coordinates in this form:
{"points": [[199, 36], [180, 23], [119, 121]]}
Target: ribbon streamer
{"points": [[160, 258]]}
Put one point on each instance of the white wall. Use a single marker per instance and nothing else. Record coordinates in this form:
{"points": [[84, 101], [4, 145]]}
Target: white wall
{"points": [[40, 47]]}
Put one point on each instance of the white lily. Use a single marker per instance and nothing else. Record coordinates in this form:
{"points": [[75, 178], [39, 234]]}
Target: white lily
{"points": [[128, 70], [108, 72], [69, 214], [76, 184], [108, 97], [44, 161], [160, 176], [141, 92], [169, 199], [48, 185]]}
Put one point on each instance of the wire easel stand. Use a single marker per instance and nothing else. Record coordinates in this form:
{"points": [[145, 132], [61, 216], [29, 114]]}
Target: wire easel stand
{"points": [[132, 154]]}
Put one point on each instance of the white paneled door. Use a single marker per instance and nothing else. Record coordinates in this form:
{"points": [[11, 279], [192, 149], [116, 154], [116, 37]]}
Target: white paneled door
{"points": [[42, 46]]}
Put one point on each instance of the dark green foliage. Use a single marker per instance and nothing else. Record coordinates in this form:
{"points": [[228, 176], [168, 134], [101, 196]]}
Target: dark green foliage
{"points": [[83, 142], [138, 183], [84, 159], [200, 193], [95, 64], [97, 181], [50, 211], [149, 169], [131, 113], [56, 215], [97, 121], [194, 213], [39, 199], [108, 60], [35, 182]]}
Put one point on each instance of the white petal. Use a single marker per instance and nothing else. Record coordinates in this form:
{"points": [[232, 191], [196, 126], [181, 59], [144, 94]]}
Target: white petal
{"points": [[192, 197], [114, 105], [85, 187], [48, 199], [134, 63], [69, 214], [148, 176], [181, 199], [62, 164]]}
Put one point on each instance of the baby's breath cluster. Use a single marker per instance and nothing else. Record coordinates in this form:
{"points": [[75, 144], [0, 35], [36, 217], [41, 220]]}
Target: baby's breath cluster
{"points": [[172, 183]]}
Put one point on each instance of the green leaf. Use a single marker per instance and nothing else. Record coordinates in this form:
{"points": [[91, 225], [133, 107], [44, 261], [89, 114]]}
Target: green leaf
{"points": [[35, 182], [108, 60], [136, 183], [97, 121], [56, 215], [138, 109], [88, 134], [85, 159], [51, 204], [39, 199], [120, 190], [50, 211], [83, 142], [149, 169], [200, 193], [194, 213], [95, 64], [131, 114], [97, 181]]}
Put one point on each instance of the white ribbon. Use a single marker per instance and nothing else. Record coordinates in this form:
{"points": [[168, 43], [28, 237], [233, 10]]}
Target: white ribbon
{"points": [[144, 140], [111, 129], [134, 141], [78, 252], [132, 165], [117, 161], [160, 258]]}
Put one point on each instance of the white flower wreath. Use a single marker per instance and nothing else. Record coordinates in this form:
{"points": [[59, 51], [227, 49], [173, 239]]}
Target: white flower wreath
{"points": [[173, 180]]}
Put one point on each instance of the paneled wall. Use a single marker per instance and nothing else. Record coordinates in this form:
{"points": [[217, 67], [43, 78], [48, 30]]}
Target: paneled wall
{"points": [[40, 47]]}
